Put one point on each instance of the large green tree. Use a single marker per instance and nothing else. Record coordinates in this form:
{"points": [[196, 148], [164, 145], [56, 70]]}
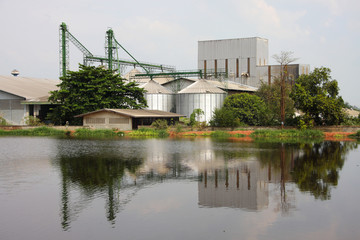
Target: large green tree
{"points": [[248, 109], [271, 95], [317, 96], [90, 89]]}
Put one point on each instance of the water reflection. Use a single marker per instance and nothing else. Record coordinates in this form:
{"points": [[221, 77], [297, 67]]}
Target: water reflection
{"points": [[233, 175]]}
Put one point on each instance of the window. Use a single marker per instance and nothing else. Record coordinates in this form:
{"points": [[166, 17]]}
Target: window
{"points": [[226, 67], [95, 120], [237, 68], [215, 68]]}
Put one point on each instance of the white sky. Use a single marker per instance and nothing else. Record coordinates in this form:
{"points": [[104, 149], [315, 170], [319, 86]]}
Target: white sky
{"points": [[319, 32]]}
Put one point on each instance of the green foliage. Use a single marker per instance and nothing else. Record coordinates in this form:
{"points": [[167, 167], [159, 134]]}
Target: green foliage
{"points": [[96, 133], [92, 88], [160, 124], [271, 95], [291, 133], [40, 131], [317, 95], [317, 169], [195, 116], [220, 134], [355, 135], [3, 121], [348, 121], [33, 121], [249, 109], [224, 117], [149, 132]]}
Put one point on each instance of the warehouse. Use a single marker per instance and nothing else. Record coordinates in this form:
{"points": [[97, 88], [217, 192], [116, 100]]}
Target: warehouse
{"points": [[242, 60], [125, 119], [21, 97]]}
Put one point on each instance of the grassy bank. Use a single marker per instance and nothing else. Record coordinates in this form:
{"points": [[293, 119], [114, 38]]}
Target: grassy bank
{"points": [[39, 131], [248, 135], [149, 132], [289, 133]]}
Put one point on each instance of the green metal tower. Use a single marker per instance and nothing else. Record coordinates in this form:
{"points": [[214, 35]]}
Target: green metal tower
{"points": [[111, 50]]}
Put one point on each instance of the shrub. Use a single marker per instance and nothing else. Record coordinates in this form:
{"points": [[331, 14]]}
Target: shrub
{"points": [[224, 117], [249, 109], [97, 133], [160, 124], [33, 121], [3, 121]]}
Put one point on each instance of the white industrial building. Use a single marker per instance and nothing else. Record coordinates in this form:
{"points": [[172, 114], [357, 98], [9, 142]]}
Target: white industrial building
{"points": [[21, 97], [243, 60]]}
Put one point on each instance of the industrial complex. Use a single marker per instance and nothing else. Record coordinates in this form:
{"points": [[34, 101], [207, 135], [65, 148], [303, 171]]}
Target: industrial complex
{"points": [[225, 67]]}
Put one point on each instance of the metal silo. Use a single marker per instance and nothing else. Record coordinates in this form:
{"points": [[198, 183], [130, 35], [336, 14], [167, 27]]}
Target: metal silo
{"points": [[159, 97], [202, 95]]}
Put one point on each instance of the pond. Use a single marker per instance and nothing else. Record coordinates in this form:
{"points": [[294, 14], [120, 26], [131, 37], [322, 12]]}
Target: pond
{"points": [[177, 189]]}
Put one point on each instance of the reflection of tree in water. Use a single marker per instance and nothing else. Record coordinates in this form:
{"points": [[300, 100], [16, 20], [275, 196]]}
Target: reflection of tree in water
{"points": [[313, 168], [101, 173], [317, 169]]}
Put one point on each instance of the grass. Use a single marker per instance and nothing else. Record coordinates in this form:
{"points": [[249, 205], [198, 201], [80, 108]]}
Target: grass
{"points": [[97, 133], [291, 133], [149, 132], [220, 134], [40, 131]]}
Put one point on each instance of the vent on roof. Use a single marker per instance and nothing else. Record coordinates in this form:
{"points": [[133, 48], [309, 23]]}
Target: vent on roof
{"points": [[15, 72]]}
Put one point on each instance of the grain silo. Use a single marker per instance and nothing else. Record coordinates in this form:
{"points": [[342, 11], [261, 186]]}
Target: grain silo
{"points": [[200, 95], [158, 97]]}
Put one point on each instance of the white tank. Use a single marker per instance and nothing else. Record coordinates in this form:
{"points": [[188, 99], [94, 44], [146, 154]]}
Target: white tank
{"points": [[200, 95]]}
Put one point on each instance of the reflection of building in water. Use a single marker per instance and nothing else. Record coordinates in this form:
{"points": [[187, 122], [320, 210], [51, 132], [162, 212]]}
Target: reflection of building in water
{"points": [[245, 186]]}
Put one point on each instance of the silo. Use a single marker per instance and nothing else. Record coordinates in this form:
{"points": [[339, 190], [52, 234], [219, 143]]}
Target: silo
{"points": [[159, 97], [200, 95]]}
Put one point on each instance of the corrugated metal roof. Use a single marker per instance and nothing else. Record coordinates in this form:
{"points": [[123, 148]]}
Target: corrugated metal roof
{"points": [[136, 113], [202, 86], [153, 87], [31, 89], [230, 85], [132, 73]]}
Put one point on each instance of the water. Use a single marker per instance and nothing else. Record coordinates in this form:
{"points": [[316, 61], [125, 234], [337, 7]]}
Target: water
{"points": [[177, 189]]}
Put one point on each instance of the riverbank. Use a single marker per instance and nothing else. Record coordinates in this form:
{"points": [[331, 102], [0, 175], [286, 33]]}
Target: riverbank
{"points": [[245, 134]]}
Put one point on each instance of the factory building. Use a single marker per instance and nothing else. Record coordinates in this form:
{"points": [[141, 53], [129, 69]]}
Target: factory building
{"points": [[21, 97], [242, 60]]}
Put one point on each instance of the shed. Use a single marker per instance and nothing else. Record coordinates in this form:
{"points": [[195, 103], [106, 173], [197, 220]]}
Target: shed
{"points": [[125, 119]]}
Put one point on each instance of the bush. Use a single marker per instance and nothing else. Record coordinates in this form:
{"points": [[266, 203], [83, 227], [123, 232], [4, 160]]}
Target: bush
{"points": [[33, 121], [3, 121], [249, 109], [224, 117], [149, 132], [160, 124], [97, 133]]}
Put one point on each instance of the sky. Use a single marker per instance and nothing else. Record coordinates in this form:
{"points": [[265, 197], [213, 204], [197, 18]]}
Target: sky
{"points": [[318, 32]]}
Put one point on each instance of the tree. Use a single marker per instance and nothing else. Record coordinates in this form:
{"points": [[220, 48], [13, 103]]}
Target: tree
{"points": [[90, 89], [317, 95], [284, 59], [224, 117], [249, 109], [271, 95]]}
